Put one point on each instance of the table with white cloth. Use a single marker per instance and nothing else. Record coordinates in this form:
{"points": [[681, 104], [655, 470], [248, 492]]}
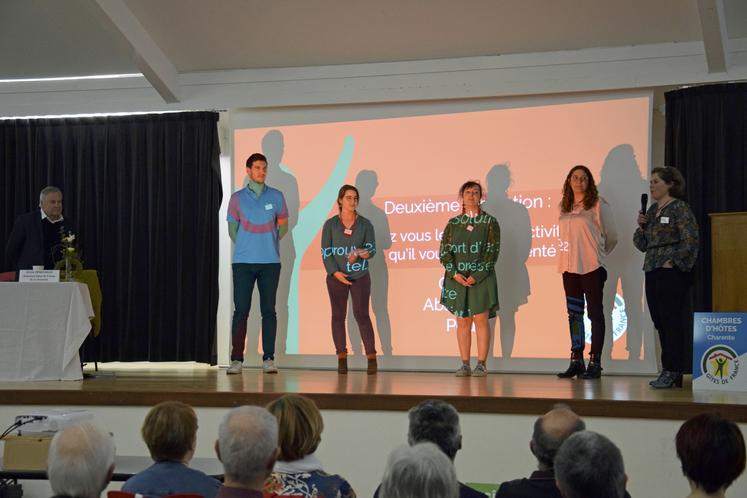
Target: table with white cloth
{"points": [[42, 326]]}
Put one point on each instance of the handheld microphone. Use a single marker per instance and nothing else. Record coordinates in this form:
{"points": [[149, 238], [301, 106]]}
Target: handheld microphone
{"points": [[644, 203]]}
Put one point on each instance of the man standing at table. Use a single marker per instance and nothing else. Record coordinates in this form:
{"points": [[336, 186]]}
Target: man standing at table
{"points": [[257, 220], [35, 238]]}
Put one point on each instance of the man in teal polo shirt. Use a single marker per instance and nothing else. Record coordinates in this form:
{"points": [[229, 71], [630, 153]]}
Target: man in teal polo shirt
{"points": [[257, 220]]}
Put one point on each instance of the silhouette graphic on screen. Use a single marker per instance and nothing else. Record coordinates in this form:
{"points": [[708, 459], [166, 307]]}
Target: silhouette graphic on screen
{"points": [[516, 242], [366, 182], [621, 185]]}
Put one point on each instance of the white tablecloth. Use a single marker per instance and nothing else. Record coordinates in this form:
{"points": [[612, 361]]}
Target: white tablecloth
{"points": [[42, 326]]}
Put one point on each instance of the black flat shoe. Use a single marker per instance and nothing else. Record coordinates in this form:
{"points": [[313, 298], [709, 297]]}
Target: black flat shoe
{"points": [[575, 368], [593, 371]]}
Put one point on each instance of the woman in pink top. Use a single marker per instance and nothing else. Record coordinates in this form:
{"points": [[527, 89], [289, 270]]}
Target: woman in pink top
{"points": [[588, 232]]}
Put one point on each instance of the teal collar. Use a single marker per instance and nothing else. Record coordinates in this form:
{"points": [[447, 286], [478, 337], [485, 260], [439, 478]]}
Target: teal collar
{"points": [[255, 187]]}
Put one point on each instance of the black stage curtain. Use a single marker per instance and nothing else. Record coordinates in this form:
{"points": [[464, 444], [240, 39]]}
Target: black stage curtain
{"points": [[706, 131], [143, 192]]}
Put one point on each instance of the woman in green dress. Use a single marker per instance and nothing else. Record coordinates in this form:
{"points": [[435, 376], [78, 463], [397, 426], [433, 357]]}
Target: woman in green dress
{"points": [[469, 250]]}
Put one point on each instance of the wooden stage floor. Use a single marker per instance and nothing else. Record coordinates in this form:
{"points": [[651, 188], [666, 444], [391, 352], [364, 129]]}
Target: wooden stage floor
{"points": [[202, 386]]}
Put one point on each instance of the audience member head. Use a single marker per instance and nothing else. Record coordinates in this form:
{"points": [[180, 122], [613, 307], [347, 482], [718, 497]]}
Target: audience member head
{"points": [[170, 432], [588, 465], [247, 446], [437, 422], [550, 430], [300, 426], [711, 450], [419, 471], [80, 461]]}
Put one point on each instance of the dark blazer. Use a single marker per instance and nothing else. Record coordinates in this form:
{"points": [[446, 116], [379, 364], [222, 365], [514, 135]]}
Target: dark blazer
{"points": [[25, 247], [541, 484]]}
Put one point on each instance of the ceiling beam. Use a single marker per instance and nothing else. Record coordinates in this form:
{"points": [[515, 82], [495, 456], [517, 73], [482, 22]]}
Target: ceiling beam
{"points": [[148, 56], [715, 39]]}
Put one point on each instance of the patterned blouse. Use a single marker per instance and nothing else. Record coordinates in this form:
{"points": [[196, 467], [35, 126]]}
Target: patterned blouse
{"points": [[671, 236], [306, 478]]}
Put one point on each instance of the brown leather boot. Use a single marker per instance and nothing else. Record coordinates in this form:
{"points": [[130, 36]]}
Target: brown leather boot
{"points": [[342, 364], [373, 367]]}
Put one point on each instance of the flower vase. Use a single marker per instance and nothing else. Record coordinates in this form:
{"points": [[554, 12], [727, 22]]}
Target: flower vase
{"points": [[68, 277]]}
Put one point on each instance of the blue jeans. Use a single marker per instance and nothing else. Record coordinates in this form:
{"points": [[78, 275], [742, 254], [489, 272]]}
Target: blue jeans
{"points": [[267, 276]]}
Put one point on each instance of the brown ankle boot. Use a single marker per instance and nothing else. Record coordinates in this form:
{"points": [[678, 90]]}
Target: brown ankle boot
{"points": [[342, 363], [373, 367]]}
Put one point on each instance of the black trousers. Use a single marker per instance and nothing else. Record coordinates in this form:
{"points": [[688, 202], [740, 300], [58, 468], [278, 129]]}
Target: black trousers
{"points": [[666, 291], [591, 286]]}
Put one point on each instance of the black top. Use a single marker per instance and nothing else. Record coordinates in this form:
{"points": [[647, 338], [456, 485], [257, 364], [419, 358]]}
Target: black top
{"points": [[464, 492], [51, 242]]}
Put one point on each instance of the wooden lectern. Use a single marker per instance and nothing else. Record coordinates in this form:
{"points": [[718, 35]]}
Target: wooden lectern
{"points": [[729, 261]]}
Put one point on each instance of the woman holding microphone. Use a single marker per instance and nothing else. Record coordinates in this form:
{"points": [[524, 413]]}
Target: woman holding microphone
{"points": [[347, 245], [668, 234]]}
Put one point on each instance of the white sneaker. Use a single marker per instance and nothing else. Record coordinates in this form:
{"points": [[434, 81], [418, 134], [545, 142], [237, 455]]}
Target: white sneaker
{"points": [[235, 367], [268, 367]]}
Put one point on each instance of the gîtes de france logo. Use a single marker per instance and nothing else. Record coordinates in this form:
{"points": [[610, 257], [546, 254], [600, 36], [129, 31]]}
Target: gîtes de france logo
{"points": [[619, 320], [720, 364]]}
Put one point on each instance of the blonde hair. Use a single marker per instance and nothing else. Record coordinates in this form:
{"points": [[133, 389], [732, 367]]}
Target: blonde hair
{"points": [[300, 426]]}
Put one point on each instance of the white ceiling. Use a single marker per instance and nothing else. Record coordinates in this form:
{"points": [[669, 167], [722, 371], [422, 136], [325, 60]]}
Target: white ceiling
{"points": [[174, 42]]}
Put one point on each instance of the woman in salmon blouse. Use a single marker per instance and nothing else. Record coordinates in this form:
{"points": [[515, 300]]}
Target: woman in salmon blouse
{"points": [[588, 233]]}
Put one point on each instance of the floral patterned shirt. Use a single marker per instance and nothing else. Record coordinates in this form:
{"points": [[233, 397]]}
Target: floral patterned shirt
{"points": [[670, 236], [314, 484], [306, 478]]}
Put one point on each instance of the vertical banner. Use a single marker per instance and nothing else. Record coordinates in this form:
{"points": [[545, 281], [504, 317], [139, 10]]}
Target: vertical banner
{"points": [[720, 351]]}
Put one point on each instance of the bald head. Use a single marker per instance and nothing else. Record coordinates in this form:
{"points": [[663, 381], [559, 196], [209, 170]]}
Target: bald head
{"points": [[80, 461], [550, 430]]}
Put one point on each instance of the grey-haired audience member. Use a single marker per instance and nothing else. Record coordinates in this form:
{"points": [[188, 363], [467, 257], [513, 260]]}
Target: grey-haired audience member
{"points": [[419, 471], [588, 465], [247, 446], [437, 422], [80, 462], [550, 431]]}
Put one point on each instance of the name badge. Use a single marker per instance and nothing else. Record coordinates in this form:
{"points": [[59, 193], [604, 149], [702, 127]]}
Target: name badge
{"points": [[664, 220], [348, 231], [470, 228], [268, 207]]}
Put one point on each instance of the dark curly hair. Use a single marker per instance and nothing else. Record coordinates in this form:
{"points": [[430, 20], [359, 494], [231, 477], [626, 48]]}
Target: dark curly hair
{"points": [[590, 198], [437, 422]]}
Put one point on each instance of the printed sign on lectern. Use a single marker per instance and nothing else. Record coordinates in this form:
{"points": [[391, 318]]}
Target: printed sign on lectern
{"points": [[720, 351]]}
